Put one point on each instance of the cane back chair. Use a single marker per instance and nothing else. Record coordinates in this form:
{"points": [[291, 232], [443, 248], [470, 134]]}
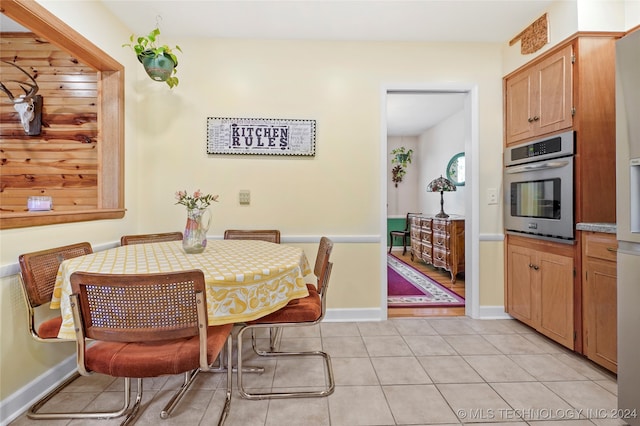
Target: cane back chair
{"points": [[146, 325], [405, 234], [270, 235], [38, 272], [307, 311], [150, 238]]}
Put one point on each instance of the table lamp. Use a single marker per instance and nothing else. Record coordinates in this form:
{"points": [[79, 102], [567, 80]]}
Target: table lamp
{"points": [[441, 185]]}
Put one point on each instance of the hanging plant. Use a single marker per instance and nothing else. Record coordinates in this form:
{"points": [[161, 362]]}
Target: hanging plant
{"points": [[401, 157], [159, 61]]}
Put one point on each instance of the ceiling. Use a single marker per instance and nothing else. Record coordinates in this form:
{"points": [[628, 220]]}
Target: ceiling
{"points": [[493, 21], [486, 21]]}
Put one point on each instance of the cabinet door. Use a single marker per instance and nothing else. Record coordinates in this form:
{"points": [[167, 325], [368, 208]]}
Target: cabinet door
{"points": [[539, 98], [600, 294], [555, 274], [554, 99], [521, 295], [599, 298], [518, 102]]}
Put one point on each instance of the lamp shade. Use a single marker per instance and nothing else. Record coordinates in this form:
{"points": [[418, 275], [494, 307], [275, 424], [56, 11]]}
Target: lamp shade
{"points": [[441, 185]]}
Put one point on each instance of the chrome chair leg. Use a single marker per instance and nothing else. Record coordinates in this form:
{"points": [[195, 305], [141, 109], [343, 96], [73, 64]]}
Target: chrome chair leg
{"points": [[189, 377], [33, 414], [222, 367], [280, 395], [133, 414]]}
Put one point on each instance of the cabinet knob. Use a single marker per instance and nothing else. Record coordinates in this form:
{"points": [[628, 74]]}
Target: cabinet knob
{"points": [[535, 267], [530, 120], [536, 118]]}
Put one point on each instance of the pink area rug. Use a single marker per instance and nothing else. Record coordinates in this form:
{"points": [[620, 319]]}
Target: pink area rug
{"points": [[409, 288]]}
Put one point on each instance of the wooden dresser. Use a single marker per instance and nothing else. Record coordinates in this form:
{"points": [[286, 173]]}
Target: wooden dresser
{"points": [[439, 242]]}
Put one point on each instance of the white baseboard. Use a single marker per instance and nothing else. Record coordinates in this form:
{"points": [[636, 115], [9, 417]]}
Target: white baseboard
{"points": [[20, 401], [358, 315], [374, 314], [493, 312]]}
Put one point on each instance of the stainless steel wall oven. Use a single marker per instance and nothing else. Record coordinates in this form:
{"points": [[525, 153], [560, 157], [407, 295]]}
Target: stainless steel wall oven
{"points": [[538, 183]]}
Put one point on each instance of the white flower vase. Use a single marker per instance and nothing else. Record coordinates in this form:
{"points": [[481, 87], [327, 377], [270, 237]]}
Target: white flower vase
{"points": [[195, 232]]}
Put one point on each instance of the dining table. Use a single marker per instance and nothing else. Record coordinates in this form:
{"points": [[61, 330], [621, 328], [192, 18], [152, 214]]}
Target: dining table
{"points": [[245, 279]]}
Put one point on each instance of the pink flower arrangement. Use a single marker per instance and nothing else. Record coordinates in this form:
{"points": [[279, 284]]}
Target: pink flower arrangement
{"points": [[195, 201]]}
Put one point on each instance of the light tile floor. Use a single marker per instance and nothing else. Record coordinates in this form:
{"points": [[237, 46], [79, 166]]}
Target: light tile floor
{"points": [[404, 371]]}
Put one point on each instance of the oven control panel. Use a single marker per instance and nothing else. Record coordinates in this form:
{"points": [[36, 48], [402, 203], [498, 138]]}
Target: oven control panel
{"points": [[556, 146], [549, 146]]}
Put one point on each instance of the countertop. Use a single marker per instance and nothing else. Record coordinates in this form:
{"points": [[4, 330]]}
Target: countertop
{"points": [[607, 228]]}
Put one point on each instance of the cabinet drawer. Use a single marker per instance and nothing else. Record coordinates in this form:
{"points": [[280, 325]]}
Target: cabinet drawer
{"points": [[441, 241], [601, 246], [426, 225], [440, 257], [415, 233], [440, 226], [427, 252], [426, 238], [416, 249]]}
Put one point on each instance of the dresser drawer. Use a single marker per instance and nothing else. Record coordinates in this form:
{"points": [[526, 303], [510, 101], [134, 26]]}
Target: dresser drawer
{"points": [[416, 249], [427, 252], [415, 233], [426, 238], [440, 257], [440, 226], [441, 241]]}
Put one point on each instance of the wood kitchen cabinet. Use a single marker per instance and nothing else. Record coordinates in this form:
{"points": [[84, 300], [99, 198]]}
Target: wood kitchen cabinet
{"points": [[540, 287], [439, 242], [599, 298], [571, 86], [538, 99]]}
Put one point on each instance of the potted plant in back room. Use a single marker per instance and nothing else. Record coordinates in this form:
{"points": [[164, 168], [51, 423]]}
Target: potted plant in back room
{"points": [[401, 157], [159, 61]]}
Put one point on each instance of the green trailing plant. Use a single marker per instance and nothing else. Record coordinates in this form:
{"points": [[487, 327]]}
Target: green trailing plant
{"points": [[401, 158], [148, 46]]}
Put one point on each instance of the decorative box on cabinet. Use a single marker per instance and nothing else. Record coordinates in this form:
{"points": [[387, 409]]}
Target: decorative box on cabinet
{"points": [[540, 287], [439, 242], [599, 298]]}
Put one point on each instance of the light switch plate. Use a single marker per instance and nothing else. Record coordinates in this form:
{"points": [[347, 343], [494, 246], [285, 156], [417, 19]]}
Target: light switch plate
{"points": [[492, 196], [244, 197]]}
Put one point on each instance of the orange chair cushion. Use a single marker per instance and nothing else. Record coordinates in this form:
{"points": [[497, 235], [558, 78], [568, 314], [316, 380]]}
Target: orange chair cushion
{"points": [[153, 359], [49, 329], [307, 309]]}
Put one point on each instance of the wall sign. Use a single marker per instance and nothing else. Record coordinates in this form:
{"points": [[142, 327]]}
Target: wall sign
{"points": [[262, 136]]}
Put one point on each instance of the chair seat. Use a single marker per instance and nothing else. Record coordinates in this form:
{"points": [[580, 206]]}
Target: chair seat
{"points": [[306, 309], [153, 359], [50, 328]]}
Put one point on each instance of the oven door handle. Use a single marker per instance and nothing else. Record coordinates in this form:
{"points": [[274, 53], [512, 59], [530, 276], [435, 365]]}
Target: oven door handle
{"points": [[537, 166]]}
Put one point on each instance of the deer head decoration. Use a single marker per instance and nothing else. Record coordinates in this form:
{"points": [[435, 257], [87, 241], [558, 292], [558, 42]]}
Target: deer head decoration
{"points": [[28, 105]]}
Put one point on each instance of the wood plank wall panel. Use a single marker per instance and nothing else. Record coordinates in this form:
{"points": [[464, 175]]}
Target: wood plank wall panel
{"points": [[61, 162]]}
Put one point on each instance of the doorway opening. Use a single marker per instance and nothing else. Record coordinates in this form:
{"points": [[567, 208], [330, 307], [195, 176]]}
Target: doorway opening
{"points": [[439, 124]]}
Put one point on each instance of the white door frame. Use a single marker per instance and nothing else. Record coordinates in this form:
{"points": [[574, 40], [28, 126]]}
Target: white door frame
{"points": [[472, 206]]}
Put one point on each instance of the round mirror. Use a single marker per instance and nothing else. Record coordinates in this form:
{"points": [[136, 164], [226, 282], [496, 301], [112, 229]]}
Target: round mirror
{"points": [[455, 169]]}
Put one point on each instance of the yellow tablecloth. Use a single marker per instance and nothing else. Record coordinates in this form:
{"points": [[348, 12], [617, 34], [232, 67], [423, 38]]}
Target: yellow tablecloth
{"points": [[245, 279]]}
